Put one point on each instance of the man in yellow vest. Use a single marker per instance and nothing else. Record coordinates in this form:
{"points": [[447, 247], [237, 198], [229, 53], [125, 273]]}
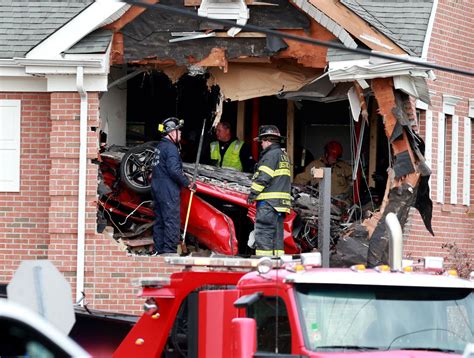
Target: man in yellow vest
{"points": [[230, 152]]}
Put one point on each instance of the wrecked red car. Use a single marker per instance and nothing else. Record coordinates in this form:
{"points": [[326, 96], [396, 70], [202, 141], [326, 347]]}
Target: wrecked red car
{"points": [[220, 218]]}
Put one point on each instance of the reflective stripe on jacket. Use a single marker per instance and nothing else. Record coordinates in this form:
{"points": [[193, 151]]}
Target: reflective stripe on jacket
{"points": [[272, 180], [231, 156]]}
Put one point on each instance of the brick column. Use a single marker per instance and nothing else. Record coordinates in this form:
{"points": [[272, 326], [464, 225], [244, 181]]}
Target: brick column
{"points": [[64, 178]]}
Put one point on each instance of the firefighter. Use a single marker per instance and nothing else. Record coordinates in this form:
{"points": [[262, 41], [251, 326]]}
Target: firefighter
{"points": [[167, 181], [230, 152], [271, 189], [341, 172]]}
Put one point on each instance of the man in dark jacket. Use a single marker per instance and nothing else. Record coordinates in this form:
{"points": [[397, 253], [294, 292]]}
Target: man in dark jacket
{"points": [[167, 181], [271, 189]]}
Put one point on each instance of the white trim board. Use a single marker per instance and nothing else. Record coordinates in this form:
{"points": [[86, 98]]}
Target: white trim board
{"points": [[440, 158], [429, 30], [10, 144], [454, 159], [429, 137], [466, 183]]}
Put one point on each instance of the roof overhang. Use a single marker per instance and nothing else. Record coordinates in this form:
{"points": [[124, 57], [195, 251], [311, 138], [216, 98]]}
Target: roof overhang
{"points": [[409, 78], [343, 71], [54, 75]]}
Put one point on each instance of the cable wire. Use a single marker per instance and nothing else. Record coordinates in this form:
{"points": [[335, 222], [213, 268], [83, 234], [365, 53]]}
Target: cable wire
{"points": [[334, 45]]}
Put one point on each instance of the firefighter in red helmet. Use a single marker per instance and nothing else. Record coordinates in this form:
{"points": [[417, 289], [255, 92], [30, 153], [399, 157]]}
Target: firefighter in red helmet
{"points": [[341, 172]]}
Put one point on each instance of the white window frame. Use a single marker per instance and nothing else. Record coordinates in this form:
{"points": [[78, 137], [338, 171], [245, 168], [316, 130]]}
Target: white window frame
{"points": [[466, 183], [440, 159], [10, 144], [454, 159]]}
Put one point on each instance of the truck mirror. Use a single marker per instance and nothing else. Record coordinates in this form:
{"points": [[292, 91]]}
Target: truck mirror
{"points": [[244, 337], [247, 300]]}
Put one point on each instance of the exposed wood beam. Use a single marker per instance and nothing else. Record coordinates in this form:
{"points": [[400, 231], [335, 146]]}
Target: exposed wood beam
{"points": [[129, 16], [373, 120], [384, 93], [251, 60], [240, 132], [242, 34], [290, 133], [356, 26], [307, 54], [116, 54], [216, 58]]}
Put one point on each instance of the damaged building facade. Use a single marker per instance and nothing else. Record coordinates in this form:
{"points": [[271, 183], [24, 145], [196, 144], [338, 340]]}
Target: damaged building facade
{"points": [[103, 74]]}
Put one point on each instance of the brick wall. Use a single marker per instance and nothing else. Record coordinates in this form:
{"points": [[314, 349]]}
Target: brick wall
{"points": [[24, 215], [452, 44], [40, 222]]}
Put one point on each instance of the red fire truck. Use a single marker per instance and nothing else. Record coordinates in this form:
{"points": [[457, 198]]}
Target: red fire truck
{"points": [[232, 307]]}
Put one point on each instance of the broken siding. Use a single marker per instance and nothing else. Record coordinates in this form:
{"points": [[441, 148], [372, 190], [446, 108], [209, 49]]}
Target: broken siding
{"points": [[149, 34], [24, 24]]}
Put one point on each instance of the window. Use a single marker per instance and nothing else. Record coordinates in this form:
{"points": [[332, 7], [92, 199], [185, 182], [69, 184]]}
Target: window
{"points": [[273, 326], [19, 339], [10, 114]]}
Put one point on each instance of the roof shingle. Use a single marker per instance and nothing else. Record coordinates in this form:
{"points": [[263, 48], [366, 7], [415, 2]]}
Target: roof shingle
{"points": [[403, 21], [25, 23]]}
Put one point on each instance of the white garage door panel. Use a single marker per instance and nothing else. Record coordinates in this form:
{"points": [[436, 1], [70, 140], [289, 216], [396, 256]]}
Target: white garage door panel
{"points": [[10, 115]]}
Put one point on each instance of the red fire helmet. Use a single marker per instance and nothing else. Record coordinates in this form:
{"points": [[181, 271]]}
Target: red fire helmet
{"points": [[334, 149]]}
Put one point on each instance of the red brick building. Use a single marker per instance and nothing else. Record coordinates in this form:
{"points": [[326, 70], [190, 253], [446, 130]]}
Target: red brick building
{"points": [[55, 100], [448, 125]]}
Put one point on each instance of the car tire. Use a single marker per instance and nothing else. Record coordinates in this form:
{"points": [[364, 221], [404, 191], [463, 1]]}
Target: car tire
{"points": [[136, 168]]}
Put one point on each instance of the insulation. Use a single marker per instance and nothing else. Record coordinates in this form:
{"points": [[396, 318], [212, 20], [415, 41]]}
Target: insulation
{"points": [[245, 81]]}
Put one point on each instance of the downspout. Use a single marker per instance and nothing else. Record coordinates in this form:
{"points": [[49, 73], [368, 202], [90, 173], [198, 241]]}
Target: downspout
{"points": [[81, 205]]}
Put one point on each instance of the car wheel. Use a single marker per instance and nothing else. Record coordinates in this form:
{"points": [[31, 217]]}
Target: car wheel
{"points": [[136, 167]]}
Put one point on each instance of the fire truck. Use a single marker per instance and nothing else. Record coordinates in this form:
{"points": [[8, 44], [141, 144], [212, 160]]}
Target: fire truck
{"points": [[293, 307]]}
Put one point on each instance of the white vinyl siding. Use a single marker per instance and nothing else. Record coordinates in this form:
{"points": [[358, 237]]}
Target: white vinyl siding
{"points": [[10, 115]]}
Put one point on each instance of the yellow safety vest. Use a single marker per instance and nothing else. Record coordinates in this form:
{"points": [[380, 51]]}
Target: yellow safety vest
{"points": [[231, 156]]}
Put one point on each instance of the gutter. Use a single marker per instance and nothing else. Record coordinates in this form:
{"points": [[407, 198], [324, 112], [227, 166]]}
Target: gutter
{"points": [[21, 61], [81, 207]]}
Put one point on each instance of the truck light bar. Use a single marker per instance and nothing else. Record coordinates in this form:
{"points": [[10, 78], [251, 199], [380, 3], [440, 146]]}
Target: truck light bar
{"points": [[213, 262], [152, 282]]}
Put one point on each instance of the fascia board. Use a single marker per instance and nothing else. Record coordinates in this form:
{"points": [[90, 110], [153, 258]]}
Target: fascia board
{"points": [[12, 71], [92, 64], [76, 29], [429, 30], [53, 83], [23, 84], [67, 83]]}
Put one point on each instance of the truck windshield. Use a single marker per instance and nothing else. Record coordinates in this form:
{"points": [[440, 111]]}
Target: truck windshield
{"points": [[354, 317]]}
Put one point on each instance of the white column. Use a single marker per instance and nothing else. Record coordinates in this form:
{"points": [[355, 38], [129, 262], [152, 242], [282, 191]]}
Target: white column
{"points": [[466, 180], [440, 159], [454, 160]]}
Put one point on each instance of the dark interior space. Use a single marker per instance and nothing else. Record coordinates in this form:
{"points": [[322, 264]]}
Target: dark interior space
{"points": [[152, 97]]}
